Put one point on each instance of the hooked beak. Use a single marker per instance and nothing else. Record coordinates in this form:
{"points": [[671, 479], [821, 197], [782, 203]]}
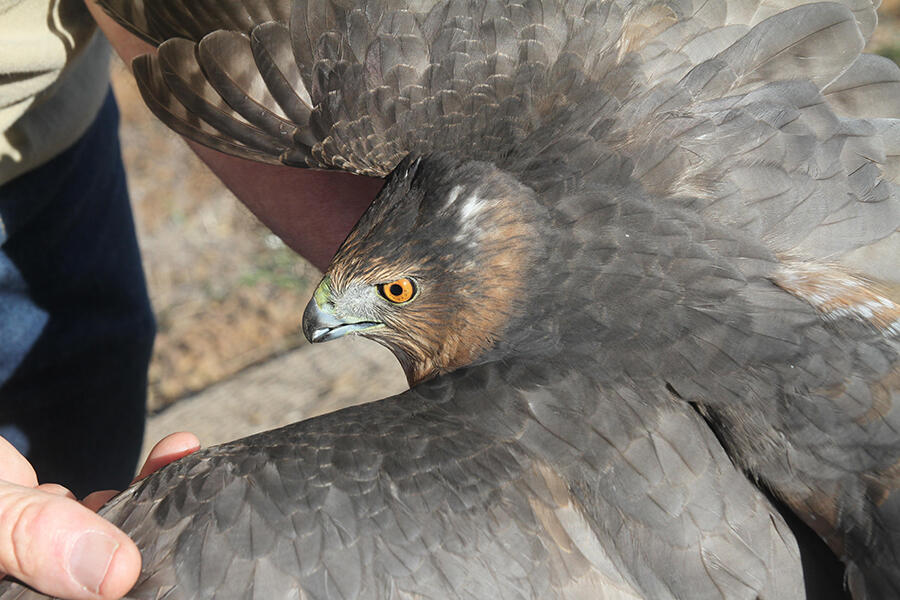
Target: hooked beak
{"points": [[320, 324]]}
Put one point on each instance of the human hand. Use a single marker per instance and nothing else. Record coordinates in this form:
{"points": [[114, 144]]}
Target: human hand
{"points": [[60, 546], [312, 211]]}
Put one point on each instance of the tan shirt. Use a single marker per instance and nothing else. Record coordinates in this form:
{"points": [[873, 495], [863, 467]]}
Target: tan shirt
{"points": [[54, 73]]}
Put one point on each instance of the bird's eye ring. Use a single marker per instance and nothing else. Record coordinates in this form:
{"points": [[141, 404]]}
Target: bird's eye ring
{"points": [[399, 291]]}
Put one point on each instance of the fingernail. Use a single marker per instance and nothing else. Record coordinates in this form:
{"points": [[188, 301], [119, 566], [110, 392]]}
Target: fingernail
{"points": [[89, 559]]}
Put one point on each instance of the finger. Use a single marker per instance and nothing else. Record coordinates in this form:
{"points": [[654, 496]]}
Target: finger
{"points": [[63, 549], [56, 490], [14, 468], [96, 500], [172, 447]]}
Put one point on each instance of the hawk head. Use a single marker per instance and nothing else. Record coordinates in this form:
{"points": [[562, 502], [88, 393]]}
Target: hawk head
{"points": [[438, 269]]}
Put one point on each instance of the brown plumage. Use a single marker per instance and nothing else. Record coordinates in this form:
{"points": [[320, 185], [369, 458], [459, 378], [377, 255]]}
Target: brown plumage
{"points": [[467, 293]]}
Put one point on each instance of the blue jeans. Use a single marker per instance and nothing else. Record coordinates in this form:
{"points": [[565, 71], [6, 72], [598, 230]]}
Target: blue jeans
{"points": [[76, 328]]}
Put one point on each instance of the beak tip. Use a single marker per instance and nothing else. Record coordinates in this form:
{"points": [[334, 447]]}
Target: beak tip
{"points": [[312, 333], [317, 335], [321, 325]]}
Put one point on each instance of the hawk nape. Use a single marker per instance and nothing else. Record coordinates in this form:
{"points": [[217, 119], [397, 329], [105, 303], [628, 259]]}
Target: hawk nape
{"points": [[639, 261]]}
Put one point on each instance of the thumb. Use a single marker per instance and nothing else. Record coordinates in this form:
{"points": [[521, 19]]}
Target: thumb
{"points": [[61, 548]]}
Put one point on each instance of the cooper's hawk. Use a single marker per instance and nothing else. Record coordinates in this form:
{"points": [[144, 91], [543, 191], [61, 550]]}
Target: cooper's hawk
{"points": [[640, 265]]}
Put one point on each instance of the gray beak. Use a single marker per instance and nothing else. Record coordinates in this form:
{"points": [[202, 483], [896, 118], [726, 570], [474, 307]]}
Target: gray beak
{"points": [[322, 325]]}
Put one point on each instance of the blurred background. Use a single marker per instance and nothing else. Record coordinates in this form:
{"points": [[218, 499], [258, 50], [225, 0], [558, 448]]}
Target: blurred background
{"points": [[226, 292], [230, 358]]}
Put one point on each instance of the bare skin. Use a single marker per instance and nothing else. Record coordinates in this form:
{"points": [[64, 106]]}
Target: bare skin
{"points": [[312, 211], [59, 545]]}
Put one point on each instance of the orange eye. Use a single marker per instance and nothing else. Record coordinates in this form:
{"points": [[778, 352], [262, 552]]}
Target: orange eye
{"points": [[399, 291]]}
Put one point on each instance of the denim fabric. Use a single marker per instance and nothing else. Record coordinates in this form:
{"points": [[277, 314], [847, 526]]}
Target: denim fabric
{"points": [[76, 329]]}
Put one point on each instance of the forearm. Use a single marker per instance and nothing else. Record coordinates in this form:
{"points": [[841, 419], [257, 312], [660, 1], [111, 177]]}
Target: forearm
{"points": [[312, 211]]}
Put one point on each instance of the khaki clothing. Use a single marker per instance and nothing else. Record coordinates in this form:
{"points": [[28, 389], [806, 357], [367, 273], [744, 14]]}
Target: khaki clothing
{"points": [[54, 73]]}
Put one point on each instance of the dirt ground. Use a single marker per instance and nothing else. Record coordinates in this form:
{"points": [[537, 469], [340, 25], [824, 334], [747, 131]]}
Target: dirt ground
{"points": [[227, 293], [297, 385]]}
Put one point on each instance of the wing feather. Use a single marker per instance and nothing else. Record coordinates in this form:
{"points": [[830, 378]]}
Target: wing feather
{"points": [[221, 56], [479, 78], [868, 88], [271, 48], [163, 103], [156, 21], [184, 77], [395, 498]]}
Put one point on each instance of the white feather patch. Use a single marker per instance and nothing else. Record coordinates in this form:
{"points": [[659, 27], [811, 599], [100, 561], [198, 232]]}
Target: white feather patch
{"points": [[470, 229], [452, 196], [471, 206]]}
